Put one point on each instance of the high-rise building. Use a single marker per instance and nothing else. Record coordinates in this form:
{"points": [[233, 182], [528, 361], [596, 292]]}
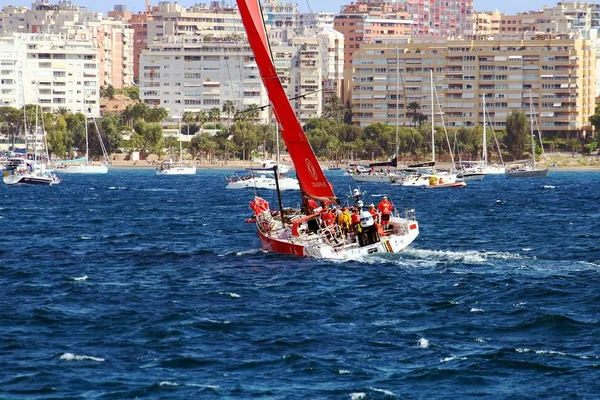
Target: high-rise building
{"points": [[112, 37], [558, 74], [441, 18], [51, 71]]}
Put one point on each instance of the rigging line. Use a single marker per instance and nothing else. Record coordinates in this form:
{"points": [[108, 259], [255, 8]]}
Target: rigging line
{"points": [[443, 123], [324, 54], [489, 118], [234, 40], [289, 98]]}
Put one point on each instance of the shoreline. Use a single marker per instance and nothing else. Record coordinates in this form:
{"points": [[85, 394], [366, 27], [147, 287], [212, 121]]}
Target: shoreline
{"points": [[239, 165]]}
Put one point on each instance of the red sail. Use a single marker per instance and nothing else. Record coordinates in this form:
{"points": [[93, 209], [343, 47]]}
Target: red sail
{"points": [[309, 172]]}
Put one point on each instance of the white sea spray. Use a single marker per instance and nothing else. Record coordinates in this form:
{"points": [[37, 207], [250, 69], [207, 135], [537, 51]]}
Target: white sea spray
{"points": [[75, 357]]}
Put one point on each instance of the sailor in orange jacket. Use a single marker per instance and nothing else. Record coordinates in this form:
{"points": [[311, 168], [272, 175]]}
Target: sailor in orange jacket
{"points": [[385, 208]]}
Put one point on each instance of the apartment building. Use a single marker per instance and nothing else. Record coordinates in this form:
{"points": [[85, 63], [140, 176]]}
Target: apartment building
{"points": [[486, 24], [185, 73], [441, 18], [559, 74], [362, 23], [51, 71], [113, 38]]}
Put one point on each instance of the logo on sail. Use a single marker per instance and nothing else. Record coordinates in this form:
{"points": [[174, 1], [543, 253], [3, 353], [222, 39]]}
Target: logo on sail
{"points": [[311, 168]]}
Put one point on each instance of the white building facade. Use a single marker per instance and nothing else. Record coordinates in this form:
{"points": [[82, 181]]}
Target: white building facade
{"points": [[51, 71]]}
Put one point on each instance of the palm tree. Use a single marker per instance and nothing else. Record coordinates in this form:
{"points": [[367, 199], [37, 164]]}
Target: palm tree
{"points": [[253, 112], [201, 118], [412, 109], [188, 119], [229, 109], [214, 115], [62, 111]]}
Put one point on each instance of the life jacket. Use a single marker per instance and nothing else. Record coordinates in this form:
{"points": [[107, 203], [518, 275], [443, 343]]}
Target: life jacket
{"points": [[385, 207], [355, 218]]}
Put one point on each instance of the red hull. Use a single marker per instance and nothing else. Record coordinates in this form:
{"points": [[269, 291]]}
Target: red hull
{"points": [[279, 246]]}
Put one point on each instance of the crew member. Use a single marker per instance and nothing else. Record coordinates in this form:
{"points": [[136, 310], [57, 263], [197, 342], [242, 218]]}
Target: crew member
{"points": [[385, 208]]}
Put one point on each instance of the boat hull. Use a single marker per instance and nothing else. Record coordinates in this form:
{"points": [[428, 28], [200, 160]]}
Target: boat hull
{"points": [[82, 169], [263, 182], [404, 233], [447, 185], [529, 173], [177, 171], [377, 178], [30, 179], [471, 176]]}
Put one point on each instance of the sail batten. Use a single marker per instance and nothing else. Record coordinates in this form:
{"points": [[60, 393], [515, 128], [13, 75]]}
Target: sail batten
{"points": [[310, 175]]}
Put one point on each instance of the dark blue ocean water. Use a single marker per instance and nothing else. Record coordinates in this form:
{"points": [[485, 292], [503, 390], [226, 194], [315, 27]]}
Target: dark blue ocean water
{"points": [[132, 285]]}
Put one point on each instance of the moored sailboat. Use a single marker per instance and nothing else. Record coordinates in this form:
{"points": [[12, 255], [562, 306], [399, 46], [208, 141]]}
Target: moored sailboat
{"points": [[307, 232], [528, 170]]}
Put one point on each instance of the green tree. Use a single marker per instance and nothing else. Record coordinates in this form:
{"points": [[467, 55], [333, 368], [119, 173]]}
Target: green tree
{"points": [[517, 133], [201, 118], [156, 115], [229, 109], [109, 130], [148, 138], [56, 136], [413, 110], [333, 109], [133, 92], [214, 115], [188, 119]]}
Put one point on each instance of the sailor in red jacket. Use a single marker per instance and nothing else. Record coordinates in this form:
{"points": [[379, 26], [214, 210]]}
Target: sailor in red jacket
{"points": [[385, 208]]}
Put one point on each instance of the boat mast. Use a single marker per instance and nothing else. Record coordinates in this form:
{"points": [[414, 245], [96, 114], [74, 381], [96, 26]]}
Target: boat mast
{"points": [[484, 152], [87, 140], [397, 100], [179, 137], [531, 130], [432, 120]]}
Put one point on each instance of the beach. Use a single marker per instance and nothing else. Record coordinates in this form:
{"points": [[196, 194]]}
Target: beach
{"points": [[553, 162]]}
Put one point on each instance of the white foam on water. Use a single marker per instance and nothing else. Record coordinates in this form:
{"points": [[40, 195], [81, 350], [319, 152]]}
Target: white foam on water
{"points": [[75, 357], [343, 371], [384, 391], [167, 383], [203, 386], [480, 340], [357, 395], [81, 278], [549, 187], [423, 343], [476, 309], [452, 358], [520, 304], [117, 187], [234, 295], [526, 249], [85, 238]]}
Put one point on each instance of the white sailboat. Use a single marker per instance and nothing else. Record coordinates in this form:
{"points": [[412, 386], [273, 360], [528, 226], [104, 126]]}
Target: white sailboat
{"points": [[29, 172], [172, 168], [85, 167], [264, 176], [432, 178], [528, 170]]}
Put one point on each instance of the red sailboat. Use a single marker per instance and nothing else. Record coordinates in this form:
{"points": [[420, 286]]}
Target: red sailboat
{"points": [[311, 231]]}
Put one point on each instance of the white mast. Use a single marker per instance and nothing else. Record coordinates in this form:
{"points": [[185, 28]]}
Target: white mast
{"points": [[531, 130], [179, 137], [484, 154], [432, 120], [397, 99], [87, 143]]}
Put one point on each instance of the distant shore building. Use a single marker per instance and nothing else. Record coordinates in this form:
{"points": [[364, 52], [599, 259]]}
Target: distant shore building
{"points": [[51, 71], [111, 37], [558, 73]]}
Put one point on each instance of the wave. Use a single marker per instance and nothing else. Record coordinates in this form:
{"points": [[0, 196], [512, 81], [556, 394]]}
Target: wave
{"points": [[75, 357]]}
